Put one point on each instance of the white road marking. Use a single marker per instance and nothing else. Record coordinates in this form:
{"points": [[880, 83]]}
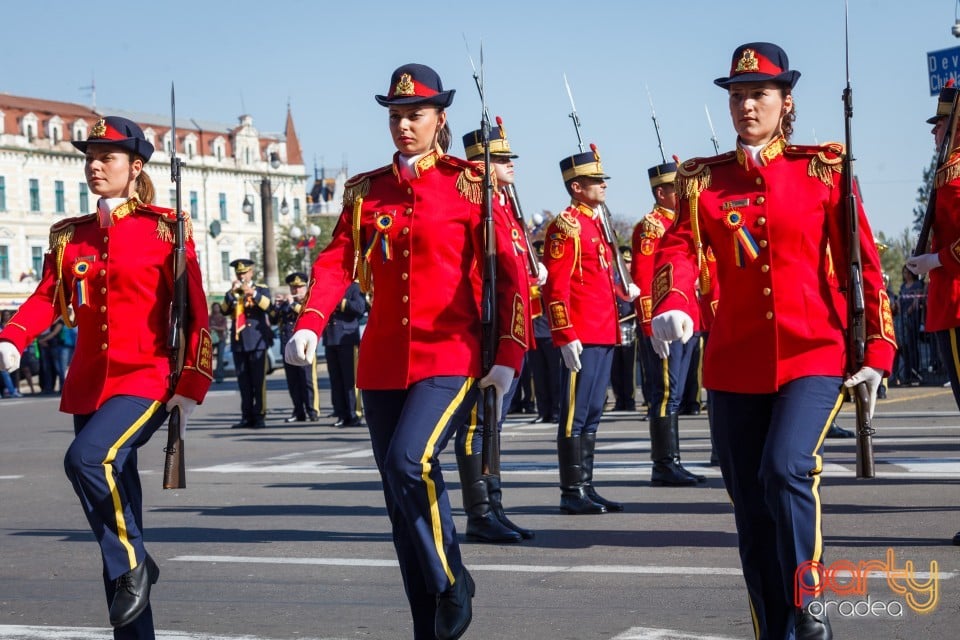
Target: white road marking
{"points": [[10, 477], [23, 632], [649, 633]]}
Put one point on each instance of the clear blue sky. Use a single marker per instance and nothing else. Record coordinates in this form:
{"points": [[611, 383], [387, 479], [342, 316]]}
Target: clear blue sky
{"points": [[329, 58]]}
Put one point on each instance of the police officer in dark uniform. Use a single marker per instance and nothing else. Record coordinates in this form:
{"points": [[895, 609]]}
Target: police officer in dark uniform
{"points": [[625, 353], [249, 305], [301, 381], [341, 342]]}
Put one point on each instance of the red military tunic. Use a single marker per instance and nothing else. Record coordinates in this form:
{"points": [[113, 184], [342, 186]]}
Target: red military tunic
{"points": [[646, 238], [119, 280], [580, 297], [777, 231], [531, 292], [943, 288], [420, 243]]}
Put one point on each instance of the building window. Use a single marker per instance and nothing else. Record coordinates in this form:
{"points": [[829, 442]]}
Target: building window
{"points": [[79, 130], [59, 197], [226, 273], [3, 193], [223, 207], [253, 211], [276, 210], [194, 205], [296, 209], [34, 194], [84, 198], [4, 262], [36, 261], [173, 199]]}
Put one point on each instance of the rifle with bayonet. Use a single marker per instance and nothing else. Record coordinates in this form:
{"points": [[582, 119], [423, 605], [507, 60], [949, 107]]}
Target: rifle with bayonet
{"points": [[713, 133], [943, 155], [856, 328], [623, 274], [656, 127], [174, 467]]}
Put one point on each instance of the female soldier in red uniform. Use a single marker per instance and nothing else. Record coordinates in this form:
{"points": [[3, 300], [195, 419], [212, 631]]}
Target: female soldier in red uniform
{"points": [[413, 230], [773, 215], [943, 261], [115, 269]]}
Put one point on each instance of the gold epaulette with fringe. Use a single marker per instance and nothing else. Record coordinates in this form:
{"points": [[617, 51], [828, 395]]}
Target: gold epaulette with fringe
{"points": [[567, 224], [948, 172], [62, 231], [826, 159], [359, 185], [167, 222], [693, 176], [651, 226], [470, 180]]}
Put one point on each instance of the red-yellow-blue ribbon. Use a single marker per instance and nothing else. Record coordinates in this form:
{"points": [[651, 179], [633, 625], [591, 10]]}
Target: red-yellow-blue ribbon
{"points": [[745, 248], [79, 270], [518, 245], [383, 223]]}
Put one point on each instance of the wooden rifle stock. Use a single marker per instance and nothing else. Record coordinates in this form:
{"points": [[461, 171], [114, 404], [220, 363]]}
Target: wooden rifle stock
{"points": [[174, 467]]}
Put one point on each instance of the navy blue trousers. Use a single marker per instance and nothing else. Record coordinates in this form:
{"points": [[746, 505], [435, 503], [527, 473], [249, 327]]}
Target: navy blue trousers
{"points": [[469, 439], [252, 379], [408, 430], [667, 377], [302, 385], [583, 393], [770, 448], [949, 343], [342, 368], [101, 463], [544, 364]]}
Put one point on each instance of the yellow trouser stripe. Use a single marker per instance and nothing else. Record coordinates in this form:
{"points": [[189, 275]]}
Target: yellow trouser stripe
{"points": [[263, 388], [571, 405], [316, 387], [356, 391], [114, 493], [818, 514], [426, 467], [472, 423], [665, 368], [954, 353]]}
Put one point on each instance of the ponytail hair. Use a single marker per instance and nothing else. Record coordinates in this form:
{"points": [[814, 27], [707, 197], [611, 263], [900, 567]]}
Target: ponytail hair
{"points": [[144, 188], [444, 138]]}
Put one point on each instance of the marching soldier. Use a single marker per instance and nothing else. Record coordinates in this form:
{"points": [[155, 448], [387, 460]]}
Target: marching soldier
{"points": [[773, 214], [413, 229], [341, 341], [114, 270], [249, 305], [301, 381], [666, 365], [581, 301], [482, 493], [544, 358], [943, 262], [625, 354]]}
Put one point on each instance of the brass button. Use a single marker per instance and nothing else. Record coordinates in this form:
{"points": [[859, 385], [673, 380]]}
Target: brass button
{"points": [[766, 291], [106, 238], [103, 272], [409, 190], [765, 268], [103, 290], [769, 315], [404, 276], [761, 199], [409, 211], [761, 221], [103, 347], [103, 255], [762, 243], [404, 322], [406, 253], [405, 231], [405, 298], [759, 180], [103, 327], [103, 309]]}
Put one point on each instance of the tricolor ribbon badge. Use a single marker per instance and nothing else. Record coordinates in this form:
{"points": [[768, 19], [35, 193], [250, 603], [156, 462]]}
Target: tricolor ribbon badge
{"points": [[745, 248], [382, 223], [518, 247], [79, 270]]}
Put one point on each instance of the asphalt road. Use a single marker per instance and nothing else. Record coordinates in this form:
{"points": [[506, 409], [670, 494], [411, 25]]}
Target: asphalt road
{"points": [[282, 534]]}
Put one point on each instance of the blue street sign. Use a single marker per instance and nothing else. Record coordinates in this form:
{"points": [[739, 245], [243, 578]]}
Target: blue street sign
{"points": [[943, 65]]}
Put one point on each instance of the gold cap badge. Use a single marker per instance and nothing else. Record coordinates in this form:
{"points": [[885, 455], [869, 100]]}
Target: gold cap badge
{"points": [[99, 129], [748, 61], [404, 86]]}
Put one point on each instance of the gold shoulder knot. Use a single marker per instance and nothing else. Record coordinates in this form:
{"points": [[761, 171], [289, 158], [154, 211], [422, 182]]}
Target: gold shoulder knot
{"points": [[567, 224], [167, 227], [693, 176], [652, 226], [359, 185], [470, 181], [825, 160]]}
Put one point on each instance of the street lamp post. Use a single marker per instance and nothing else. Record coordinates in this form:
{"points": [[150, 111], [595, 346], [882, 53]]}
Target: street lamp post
{"points": [[270, 269], [306, 240]]}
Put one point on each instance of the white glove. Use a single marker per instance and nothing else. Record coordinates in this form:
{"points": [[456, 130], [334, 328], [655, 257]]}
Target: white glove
{"points": [[9, 357], [541, 274], [301, 348], [923, 264], [633, 292], [872, 378], [500, 378], [661, 348], [672, 325], [186, 406], [571, 355]]}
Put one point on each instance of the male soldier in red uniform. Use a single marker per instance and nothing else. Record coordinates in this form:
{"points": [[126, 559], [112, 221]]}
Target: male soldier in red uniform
{"points": [[943, 262], [581, 303], [666, 365]]}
